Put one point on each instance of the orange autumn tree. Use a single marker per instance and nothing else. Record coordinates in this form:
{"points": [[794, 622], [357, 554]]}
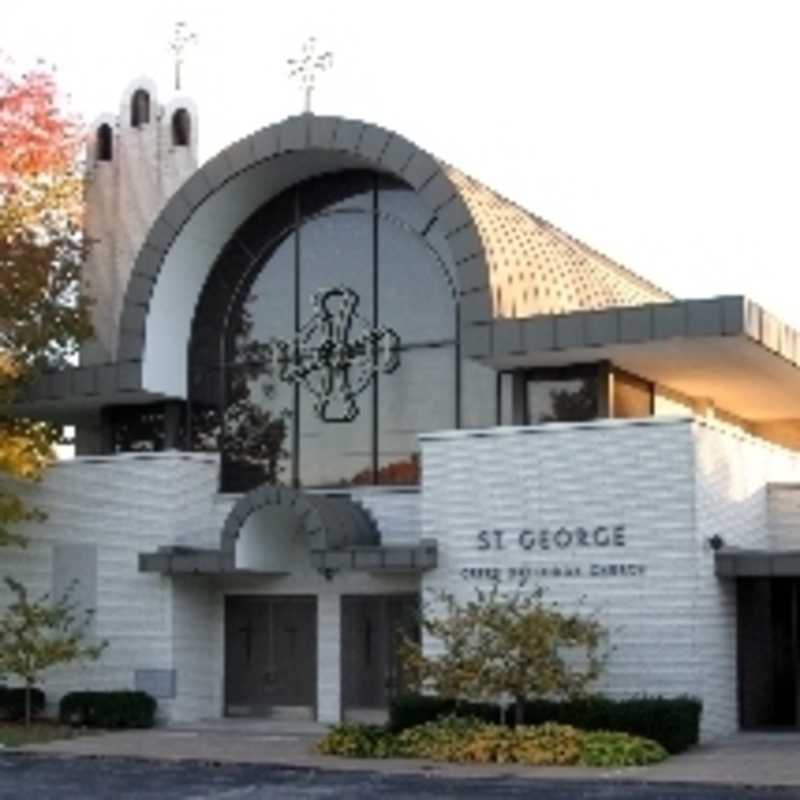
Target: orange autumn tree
{"points": [[42, 317]]}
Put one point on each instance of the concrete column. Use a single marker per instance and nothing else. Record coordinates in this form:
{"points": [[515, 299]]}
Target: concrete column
{"points": [[329, 664]]}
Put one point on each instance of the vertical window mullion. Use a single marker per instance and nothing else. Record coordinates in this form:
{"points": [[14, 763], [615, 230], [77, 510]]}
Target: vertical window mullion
{"points": [[458, 376], [374, 444], [296, 386]]}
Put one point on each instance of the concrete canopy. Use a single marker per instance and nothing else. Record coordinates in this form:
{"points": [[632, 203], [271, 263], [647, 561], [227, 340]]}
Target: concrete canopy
{"points": [[725, 349], [339, 534], [731, 562]]}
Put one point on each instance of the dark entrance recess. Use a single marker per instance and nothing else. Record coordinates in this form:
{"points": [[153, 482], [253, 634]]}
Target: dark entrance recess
{"points": [[270, 656], [372, 628], [768, 612]]}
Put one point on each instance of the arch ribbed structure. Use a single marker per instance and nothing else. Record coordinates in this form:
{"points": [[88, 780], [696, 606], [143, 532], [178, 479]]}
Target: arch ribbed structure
{"points": [[329, 523], [508, 262], [339, 533]]}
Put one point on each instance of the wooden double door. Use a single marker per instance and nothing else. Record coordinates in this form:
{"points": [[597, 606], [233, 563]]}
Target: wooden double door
{"points": [[372, 628], [270, 656]]}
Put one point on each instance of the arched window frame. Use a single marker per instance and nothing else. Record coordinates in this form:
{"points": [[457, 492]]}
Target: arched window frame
{"points": [[104, 143], [238, 282], [140, 108], [181, 128]]}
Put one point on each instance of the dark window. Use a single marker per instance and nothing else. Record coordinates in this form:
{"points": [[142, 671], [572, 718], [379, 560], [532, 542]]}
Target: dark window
{"points": [[633, 397], [567, 394], [373, 237], [105, 143], [181, 128], [147, 428], [140, 108]]}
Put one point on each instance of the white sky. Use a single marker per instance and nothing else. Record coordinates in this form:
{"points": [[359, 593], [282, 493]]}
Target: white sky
{"points": [[663, 133]]}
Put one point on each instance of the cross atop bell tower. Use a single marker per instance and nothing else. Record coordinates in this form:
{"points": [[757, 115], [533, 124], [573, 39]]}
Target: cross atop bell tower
{"points": [[182, 37], [308, 67]]}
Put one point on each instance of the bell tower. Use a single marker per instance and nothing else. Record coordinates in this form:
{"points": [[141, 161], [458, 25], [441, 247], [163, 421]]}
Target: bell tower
{"points": [[135, 162]]}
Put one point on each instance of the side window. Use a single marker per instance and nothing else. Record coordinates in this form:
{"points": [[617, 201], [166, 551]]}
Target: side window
{"points": [[104, 143], [562, 394], [140, 108], [181, 128]]}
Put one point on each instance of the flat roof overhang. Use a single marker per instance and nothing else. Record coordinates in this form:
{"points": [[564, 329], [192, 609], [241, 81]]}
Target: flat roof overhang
{"points": [[67, 395], [411, 558], [727, 349], [735, 563]]}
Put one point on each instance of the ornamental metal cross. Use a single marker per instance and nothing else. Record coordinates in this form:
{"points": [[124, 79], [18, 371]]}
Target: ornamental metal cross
{"points": [[333, 361], [181, 39], [307, 67]]}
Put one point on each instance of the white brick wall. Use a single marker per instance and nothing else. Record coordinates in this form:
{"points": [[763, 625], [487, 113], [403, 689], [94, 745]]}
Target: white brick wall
{"points": [[783, 512], [396, 512], [733, 472], [129, 504], [564, 475], [672, 482], [124, 505]]}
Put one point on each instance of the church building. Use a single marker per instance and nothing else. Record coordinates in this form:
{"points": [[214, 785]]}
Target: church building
{"points": [[333, 375]]}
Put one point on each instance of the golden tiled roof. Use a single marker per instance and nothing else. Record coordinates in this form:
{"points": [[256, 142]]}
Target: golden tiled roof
{"points": [[535, 268]]}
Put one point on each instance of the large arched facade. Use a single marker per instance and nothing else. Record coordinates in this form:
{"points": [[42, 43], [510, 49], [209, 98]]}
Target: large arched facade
{"points": [[233, 266], [201, 219]]}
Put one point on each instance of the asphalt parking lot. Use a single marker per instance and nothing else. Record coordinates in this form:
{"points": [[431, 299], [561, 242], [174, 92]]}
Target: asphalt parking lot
{"points": [[79, 778]]}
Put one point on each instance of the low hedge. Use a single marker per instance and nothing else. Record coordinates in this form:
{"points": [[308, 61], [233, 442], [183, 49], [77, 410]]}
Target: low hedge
{"points": [[12, 703], [410, 710], [673, 722], [120, 709]]}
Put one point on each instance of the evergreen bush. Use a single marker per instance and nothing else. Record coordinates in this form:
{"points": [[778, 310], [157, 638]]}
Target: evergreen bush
{"points": [[410, 710], [12, 702], [673, 722], [118, 709]]}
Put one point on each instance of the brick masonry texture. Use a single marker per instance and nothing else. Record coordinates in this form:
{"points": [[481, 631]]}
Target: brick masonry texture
{"points": [[124, 505], [129, 504], [672, 483]]}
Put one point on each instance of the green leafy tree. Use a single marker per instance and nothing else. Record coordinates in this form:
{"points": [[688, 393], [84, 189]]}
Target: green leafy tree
{"points": [[492, 647], [36, 634]]}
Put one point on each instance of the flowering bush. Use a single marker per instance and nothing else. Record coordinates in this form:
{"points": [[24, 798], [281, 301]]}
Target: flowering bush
{"points": [[465, 740]]}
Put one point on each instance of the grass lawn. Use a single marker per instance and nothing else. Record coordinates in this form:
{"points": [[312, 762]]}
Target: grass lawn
{"points": [[14, 734]]}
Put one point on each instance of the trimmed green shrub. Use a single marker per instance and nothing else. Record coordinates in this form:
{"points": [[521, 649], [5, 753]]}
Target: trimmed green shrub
{"points": [[121, 709], [409, 710], [12, 703], [465, 740], [673, 722]]}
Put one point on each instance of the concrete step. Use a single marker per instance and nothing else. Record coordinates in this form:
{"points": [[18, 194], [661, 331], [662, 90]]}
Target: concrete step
{"points": [[252, 726]]}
